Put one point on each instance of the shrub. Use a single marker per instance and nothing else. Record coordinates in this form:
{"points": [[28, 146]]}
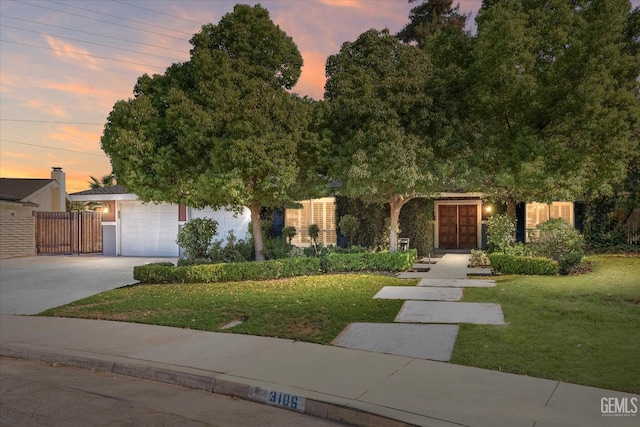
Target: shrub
{"points": [[355, 249], [289, 233], [195, 237], [349, 226], [559, 241], [193, 261], [314, 233], [368, 261], [274, 269], [478, 258], [519, 249], [209, 273], [318, 251], [276, 248], [230, 252], [501, 232], [513, 264], [161, 272]]}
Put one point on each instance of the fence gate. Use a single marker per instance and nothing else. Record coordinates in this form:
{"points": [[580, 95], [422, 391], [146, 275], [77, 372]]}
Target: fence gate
{"points": [[63, 233]]}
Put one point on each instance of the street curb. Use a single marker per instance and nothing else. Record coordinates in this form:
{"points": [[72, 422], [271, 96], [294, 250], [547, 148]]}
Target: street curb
{"points": [[312, 407]]}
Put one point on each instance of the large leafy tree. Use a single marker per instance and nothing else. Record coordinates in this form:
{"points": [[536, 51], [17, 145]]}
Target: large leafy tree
{"points": [[218, 130], [379, 117], [555, 98], [431, 17], [437, 27]]}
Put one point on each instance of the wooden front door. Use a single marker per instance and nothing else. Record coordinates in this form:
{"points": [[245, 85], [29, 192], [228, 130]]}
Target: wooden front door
{"points": [[448, 226], [457, 226], [468, 226]]}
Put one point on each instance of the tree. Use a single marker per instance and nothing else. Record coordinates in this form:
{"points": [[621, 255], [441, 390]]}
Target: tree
{"points": [[554, 99], [430, 17], [104, 181], [349, 225], [196, 236], [218, 130], [378, 116]]}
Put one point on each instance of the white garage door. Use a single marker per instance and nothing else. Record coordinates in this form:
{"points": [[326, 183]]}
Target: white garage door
{"points": [[148, 229]]}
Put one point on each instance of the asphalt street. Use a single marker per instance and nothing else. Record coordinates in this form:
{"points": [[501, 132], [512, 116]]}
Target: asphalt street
{"points": [[38, 394]]}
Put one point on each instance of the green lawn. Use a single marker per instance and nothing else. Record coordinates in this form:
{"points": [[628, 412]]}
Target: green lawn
{"points": [[311, 308], [580, 329]]}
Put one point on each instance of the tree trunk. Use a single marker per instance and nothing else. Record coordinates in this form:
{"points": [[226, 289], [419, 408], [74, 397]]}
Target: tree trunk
{"points": [[255, 209], [511, 207], [395, 205]]}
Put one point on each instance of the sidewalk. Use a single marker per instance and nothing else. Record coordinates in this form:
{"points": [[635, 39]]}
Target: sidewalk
{"points": [[355, 386]]}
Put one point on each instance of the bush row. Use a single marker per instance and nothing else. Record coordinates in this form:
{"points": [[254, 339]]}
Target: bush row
{"points": [[367, 261], [274, 269], [515, 264]]}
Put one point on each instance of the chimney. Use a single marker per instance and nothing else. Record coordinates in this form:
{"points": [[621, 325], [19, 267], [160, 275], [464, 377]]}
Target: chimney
{"points": [[59, 204]]}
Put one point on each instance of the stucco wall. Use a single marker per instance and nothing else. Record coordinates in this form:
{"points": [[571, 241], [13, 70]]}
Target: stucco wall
{"points": [[17, 236]]}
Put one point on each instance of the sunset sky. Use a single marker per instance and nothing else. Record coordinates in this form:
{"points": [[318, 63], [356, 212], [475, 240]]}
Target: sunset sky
{"points": [[63, 65]]}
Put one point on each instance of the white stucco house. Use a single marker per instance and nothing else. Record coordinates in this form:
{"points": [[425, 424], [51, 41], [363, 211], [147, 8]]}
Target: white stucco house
{"points": [[133, 228]]}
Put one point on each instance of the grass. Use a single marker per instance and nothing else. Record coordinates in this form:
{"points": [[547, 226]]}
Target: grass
{"points": [[579, 329], [310, 308]]}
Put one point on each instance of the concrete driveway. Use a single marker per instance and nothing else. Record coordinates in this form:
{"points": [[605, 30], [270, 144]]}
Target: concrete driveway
{"points": [[31, 285]]}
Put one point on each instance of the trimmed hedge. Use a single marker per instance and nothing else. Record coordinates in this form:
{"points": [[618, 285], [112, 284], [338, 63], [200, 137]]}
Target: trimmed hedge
{"points": [[274, 269], [514, 264], [367, 261], [228, 272]]}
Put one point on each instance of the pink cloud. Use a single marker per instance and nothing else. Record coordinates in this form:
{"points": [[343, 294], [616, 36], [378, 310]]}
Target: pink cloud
{"points": [[75, 138], [354, 4], [69, 51], [44, 106]]}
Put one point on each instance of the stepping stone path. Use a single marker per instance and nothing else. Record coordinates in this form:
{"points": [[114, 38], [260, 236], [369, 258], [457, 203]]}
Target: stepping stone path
{"points": [[403, 339], [415, 293], [450, 312], [426, 326]]}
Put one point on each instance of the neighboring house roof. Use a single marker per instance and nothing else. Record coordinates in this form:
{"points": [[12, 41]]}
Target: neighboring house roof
{"points": [[18, 189]]}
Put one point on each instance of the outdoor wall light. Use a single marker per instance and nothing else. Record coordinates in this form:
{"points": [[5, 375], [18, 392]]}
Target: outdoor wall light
{"points": [[105, 210], [488, 209]]}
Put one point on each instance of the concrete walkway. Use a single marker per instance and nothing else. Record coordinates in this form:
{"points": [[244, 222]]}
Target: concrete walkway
{"points": [[359, 387], [30, 285], [418, 330]]}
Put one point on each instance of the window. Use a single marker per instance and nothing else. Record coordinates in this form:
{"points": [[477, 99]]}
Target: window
{"points": [[321, 212], [537, 213]]}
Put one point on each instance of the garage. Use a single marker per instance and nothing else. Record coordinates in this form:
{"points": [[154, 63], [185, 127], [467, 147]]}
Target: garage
{"points": [[148, 229]]}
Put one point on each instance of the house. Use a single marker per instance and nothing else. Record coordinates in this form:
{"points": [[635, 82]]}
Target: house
{"points": [[133, 228], [460, 219], [19, 199]]}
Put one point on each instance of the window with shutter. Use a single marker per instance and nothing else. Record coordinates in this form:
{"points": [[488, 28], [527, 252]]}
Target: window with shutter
{"points": [[537, 213], [562, 210], [321, 212]]}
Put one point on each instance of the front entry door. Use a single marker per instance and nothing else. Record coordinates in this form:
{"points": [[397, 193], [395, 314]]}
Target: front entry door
{"points": [[457, 226]]}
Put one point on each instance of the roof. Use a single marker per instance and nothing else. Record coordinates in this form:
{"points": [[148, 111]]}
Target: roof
{"points": [[102, 194], [111, 189], [17, 189]]}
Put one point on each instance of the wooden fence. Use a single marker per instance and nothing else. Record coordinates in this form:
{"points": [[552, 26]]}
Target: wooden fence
{"points": [[59, 233]]}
